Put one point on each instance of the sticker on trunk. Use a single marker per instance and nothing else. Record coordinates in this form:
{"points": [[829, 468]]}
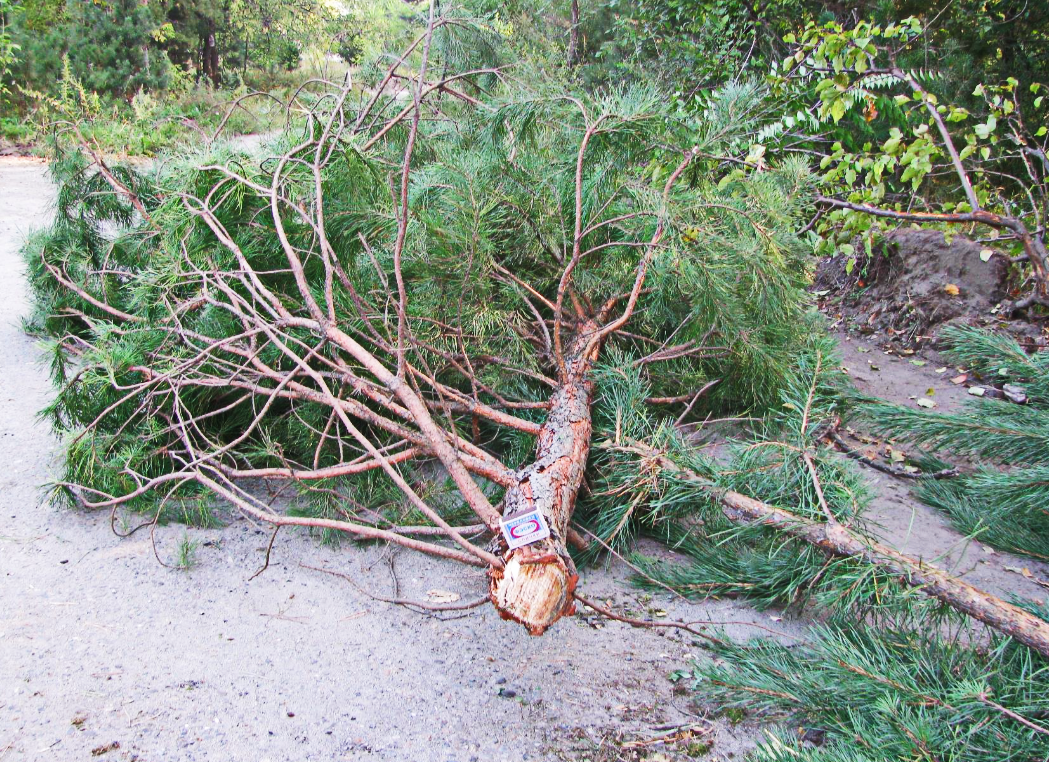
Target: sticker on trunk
{"points": [[524, 529]]}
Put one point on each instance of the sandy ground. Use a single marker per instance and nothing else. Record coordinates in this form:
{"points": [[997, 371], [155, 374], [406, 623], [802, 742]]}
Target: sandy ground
{"points": [[898, 518], [101, 645]]}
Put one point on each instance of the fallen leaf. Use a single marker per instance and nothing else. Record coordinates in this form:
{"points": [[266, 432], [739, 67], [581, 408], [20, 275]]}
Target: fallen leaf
{"points": [[942, 370], [986, 254], [442, 596], [1026, 573], [919, 363], [897, 456], [926, 402], [960, 379], [951, 289], [977, 391]]}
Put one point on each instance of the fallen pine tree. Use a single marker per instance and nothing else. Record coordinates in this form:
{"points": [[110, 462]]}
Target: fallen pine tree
{"points": [[450, 283], [414, 282]]}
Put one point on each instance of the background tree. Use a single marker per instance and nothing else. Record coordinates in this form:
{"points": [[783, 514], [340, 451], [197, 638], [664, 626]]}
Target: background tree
{"points": [[938, 167], [111, 48], [8, 48]]}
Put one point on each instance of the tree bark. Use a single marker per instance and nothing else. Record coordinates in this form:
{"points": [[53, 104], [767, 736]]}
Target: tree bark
{"points": [[536, 585], [573, 35], [837, 540]]}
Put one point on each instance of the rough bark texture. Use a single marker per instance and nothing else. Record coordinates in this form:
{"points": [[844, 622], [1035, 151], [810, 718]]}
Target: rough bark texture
{"points": [[535, 587], [210, 56]]}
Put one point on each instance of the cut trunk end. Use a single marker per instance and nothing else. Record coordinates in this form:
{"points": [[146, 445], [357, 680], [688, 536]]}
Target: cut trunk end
{"points": [[535, 588]]}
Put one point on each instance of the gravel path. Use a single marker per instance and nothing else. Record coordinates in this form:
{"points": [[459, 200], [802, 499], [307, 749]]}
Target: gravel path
{"points": [[100, 645]]}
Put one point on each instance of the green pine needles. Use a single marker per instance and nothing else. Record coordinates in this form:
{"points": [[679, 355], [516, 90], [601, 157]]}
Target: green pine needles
{"points": [[911, 691], [1003, 500]]}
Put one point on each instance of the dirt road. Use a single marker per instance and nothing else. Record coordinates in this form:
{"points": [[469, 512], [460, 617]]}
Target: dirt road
{"points": [[100, 645]]}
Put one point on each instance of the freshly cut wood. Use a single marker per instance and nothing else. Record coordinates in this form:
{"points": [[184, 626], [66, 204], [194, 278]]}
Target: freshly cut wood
{"points": [[535, 587], [837, 540]]}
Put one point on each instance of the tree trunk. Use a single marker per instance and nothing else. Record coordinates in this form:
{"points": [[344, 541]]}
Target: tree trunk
{"points": [[213, 48], [573, 35], [535, 587], [210, 56]]}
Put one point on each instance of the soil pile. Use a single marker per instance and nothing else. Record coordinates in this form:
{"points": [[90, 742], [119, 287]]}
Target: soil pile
{"points": [[915, 283]]}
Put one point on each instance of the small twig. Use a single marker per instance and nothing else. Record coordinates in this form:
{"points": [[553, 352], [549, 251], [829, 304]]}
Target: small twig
{"points": [[647, 577], [819, 489], [703, 390], [1009, 713], [671, 734], [269, 548], [686, 626], [884, 468], [403, 601]]}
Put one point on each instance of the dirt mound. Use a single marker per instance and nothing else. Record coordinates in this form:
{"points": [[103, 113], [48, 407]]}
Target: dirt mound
{"points": [[15, 149], [916, 282]]}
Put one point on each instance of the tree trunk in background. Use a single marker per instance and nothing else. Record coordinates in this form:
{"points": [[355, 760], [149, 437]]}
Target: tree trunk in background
{"points": [[213, 53], [210, 55], [573, 35]]}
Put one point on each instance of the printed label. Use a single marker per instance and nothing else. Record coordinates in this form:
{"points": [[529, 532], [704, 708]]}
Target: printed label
{"points": [[524, 529]]}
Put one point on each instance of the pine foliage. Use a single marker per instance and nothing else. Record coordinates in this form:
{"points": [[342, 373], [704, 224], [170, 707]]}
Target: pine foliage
{"points": [[491, 202], [1003, 500], [884, 694]]}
